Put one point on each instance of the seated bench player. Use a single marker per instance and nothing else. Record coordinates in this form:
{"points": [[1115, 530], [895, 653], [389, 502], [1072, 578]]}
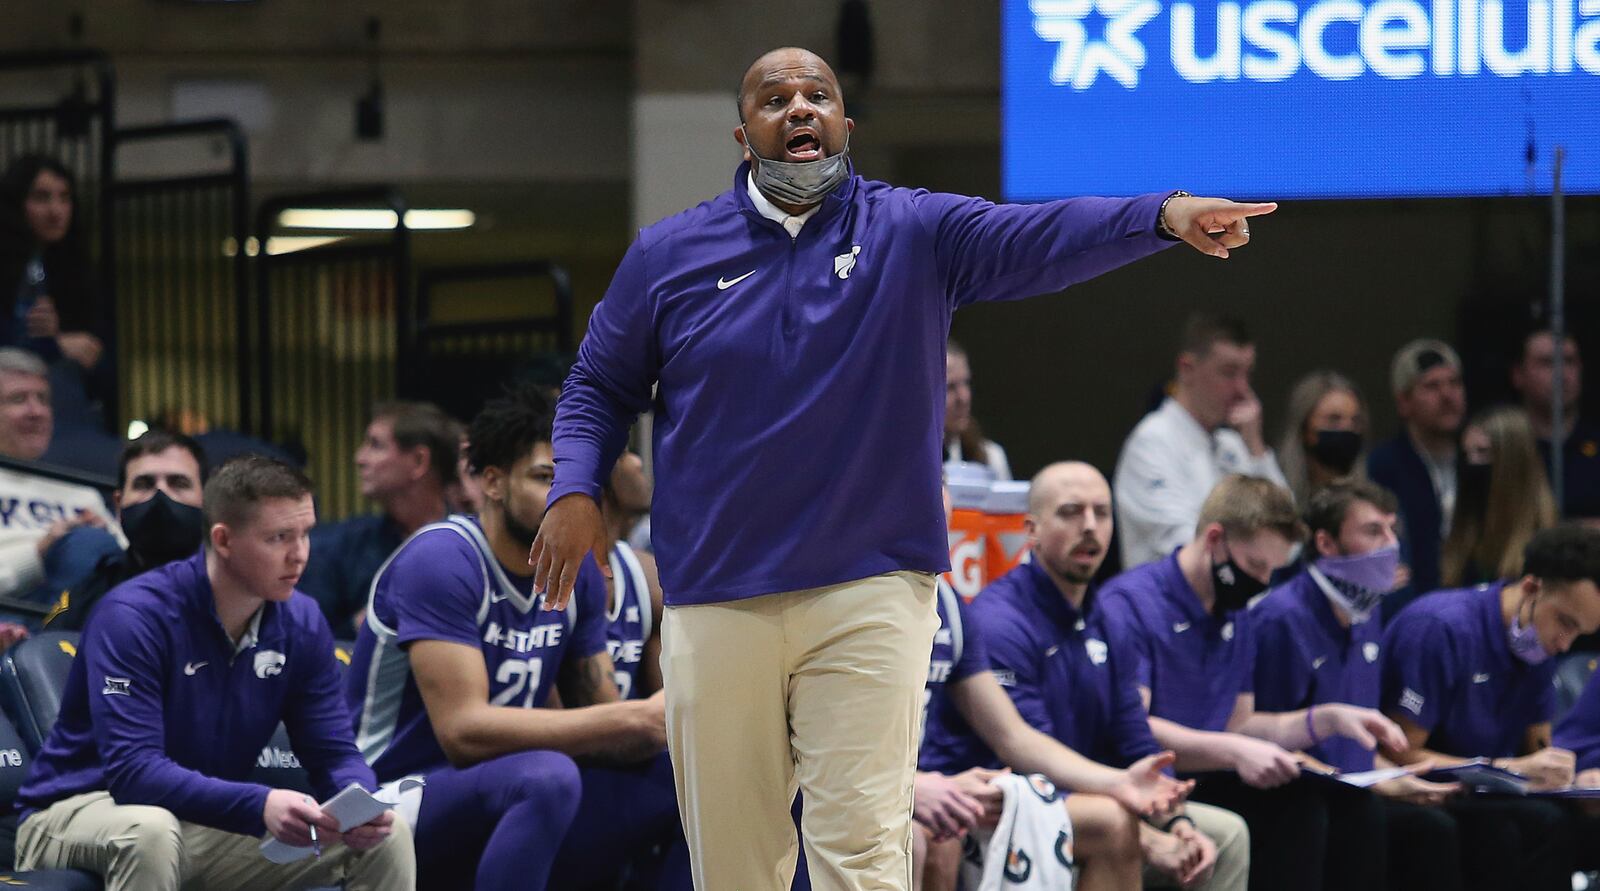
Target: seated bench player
{"points": [[1063, 682], [1468, 673], [452, 669], [1579, 733], [633, 590], [1103, 803], [1181, 627], [182, 676], [1317, 639]]}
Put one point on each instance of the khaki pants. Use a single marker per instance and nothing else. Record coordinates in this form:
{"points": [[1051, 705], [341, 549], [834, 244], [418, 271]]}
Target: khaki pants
{"points": [[819, 688], [1232, 837], [141, 848]]}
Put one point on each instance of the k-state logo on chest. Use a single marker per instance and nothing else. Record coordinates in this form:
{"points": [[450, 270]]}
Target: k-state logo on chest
{"points": [[845, 263]]}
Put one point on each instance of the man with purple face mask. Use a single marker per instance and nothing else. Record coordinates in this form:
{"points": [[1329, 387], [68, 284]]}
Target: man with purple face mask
{"points": [[1467, 674], [1182, 626], [1317, 643]]}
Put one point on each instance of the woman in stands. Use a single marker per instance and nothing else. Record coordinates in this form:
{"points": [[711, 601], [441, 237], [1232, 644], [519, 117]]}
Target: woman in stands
{"points": [[1325, 434], [963, 438], [46, 282], [1502, 499]]}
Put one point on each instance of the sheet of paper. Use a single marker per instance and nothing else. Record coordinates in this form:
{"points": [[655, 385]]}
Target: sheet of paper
{"points": [[1361, 779], [350, 808]]}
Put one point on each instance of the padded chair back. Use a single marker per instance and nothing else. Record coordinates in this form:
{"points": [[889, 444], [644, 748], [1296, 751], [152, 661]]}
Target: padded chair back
{"points": [[33, 678], [14, 763], [1571, 676]]}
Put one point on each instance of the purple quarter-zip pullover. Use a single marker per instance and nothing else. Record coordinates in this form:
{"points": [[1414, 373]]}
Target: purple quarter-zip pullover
{"points": [[799, 382]]}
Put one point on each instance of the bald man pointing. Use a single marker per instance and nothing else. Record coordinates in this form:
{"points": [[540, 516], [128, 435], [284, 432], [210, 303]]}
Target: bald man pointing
{"points": [[793, 330]]}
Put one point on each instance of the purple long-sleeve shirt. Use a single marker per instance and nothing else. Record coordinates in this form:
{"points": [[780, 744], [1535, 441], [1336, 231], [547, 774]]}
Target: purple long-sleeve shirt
{"points": [[799, 382], [162, 709]]}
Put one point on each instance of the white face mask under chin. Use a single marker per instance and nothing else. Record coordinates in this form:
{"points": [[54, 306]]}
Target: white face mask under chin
{"points": [[803, 183]]}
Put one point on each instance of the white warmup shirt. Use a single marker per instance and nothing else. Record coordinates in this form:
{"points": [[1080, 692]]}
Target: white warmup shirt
{"points": [[994, 458], [1168, 466], [28, 506]]}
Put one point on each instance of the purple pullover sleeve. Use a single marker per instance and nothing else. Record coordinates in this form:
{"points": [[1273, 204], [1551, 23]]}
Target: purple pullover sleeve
{"points": [[988, 251], [318, 722], [609, 385], [1016, 663], [126, 650]]}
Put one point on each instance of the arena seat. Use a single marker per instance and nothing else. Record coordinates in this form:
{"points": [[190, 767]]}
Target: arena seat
{"points": [[33, 675], [14, 763], [1571, 675], [342, 651]]}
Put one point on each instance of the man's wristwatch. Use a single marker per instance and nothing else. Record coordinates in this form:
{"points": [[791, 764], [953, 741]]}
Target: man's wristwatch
{"points": [[1161, 215], [1185, 818]]}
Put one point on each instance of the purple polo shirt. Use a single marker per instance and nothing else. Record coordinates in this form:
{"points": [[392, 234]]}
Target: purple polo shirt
{"points": [[1579, 731], [1304, 657], [1058, 672], [1194, 664], [1448, 667], [798, 382]]}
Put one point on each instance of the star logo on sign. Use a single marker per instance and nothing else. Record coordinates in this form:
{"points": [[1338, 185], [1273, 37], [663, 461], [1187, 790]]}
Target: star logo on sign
{"points": [[1079, 61]]}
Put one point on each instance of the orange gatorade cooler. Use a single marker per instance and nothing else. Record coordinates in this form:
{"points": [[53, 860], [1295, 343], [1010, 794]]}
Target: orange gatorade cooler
{"points": [[987, 536]]}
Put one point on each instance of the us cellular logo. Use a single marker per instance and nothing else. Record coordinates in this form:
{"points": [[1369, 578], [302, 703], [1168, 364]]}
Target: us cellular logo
{"points": [[1273, 40]]}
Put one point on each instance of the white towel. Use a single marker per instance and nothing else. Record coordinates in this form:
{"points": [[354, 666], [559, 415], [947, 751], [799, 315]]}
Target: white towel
{"points": [[1030, 849]]}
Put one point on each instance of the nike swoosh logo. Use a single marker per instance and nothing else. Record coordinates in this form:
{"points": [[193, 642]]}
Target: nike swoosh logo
{"points": [[1180, 627], [1480, 678], [724, 284], [189, 668], [496, 598], [1317, 662]]}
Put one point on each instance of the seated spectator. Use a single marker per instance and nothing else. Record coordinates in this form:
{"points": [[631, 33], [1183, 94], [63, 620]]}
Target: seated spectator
{"points": [[451, 675], [1181, 629], [158, 506], [633, 590], [1325, 433], [963, 438], [1208, 428], [1467, 674], [1502, 499], [1317, 644], [52, 532], [466, 494], [46, 285], [1419, 465], [145, 777], [405, 463], [1532, 377], [1064, 683]]}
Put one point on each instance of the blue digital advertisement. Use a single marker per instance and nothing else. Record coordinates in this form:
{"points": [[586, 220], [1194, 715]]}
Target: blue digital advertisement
{"points": [[1273, 99]]}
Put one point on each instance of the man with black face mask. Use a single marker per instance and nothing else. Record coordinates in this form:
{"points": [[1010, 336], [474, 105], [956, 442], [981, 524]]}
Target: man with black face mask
{"points": [[159, 476], [1182, 627]]}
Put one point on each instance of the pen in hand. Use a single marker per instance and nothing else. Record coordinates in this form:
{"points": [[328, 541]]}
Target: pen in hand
{"points": [[316, 846]]}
